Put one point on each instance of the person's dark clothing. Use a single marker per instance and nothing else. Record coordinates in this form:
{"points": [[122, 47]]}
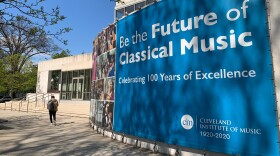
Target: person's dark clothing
{"points": [[52, 115], [52, 107]]}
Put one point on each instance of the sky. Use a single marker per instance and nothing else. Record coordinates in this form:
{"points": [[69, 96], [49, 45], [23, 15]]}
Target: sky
{"points": [[86, 18]]}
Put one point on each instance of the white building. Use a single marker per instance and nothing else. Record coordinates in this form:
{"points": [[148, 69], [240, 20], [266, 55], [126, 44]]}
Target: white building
{"points": [[68, 78], [125, 7]]}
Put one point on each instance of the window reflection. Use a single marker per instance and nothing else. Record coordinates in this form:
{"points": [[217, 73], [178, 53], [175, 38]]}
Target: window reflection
{"points": [[75, 85]]}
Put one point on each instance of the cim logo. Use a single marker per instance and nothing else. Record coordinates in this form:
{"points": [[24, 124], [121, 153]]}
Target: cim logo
{"points": [[187, 122]]}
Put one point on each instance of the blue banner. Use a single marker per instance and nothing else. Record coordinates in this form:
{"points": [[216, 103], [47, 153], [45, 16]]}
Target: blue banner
{"points": [[197, 73]]}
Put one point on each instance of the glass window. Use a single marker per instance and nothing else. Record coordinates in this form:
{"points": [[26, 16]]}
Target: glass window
{"points": [[76, 85], [129, 9], [119, 13], [74, 92], [66, 85], [86, 96], [69, 81], [69, 85], [139, 5], [87, 81], [55, 80], [87, 84], [63, 96], [75, 73], [149, 2], [63, 85], [64, 81], [81, 73], [80, 88]]}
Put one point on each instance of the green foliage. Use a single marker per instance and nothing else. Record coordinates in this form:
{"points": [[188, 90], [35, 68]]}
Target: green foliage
{"points": [[33, 12], [63, 53], [17, 81], [24, 26], [3, 78], [55, 77], [29, 80]]}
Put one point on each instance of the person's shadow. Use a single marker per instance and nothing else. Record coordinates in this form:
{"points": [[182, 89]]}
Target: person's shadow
{"points": [[64, 123]]}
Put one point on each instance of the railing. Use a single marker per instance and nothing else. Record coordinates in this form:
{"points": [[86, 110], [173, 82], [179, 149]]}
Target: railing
{"points": [[36, 102]]}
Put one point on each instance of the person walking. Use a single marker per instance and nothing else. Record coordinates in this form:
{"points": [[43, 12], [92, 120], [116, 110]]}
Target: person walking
{"points": [[52, 107]]}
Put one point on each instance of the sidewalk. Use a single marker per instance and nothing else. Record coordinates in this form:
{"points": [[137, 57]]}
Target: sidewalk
{"points": [[24, 133], [68, 108]]}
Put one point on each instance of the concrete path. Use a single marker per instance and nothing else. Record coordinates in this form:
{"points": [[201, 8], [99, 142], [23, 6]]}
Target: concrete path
{"points": [[28, 134]]}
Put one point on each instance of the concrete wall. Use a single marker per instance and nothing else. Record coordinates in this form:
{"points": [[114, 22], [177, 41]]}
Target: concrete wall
{"points": [[42, 82], [83, 61], [78, 62]]}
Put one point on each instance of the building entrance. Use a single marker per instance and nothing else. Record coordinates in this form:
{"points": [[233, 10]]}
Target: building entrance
{"points": [[75, 85], [77, 93]]}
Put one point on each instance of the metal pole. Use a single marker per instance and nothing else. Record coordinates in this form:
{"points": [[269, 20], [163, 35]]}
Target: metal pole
{"points": [[11, 106], [5, 106], [36, 100], [27, 104], [20, 103]]}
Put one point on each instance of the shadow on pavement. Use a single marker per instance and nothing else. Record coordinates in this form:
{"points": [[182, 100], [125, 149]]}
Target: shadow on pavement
{"points": [[64, 123], [3, 120], [33, 135], [2, 127]]}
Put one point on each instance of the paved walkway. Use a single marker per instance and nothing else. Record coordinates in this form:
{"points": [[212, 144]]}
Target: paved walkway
{"points": [[68, 108], [24, 133]]}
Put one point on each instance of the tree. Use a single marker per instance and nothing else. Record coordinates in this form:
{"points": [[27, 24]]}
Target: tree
{"points": [[34, 13], [23, 25], [29, 80], [19, 46], [23, 34], [3, 78], [63, 53], [20, 82]]}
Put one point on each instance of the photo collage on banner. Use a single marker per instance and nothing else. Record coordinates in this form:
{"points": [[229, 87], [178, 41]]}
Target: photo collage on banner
{"points": [[103, 78]]}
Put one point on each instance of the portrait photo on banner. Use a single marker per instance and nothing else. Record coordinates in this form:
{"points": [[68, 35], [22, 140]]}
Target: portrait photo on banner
{"points": [[101, 70], [111, 36], [100, 89], [109, 89], [102, 38], [107, 116], [99, 106], [93, 90], [110, 66], [93, 111]]}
